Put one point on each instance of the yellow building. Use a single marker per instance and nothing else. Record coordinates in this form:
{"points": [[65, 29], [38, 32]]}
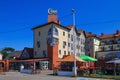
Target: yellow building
{"points": [[54, 40]]}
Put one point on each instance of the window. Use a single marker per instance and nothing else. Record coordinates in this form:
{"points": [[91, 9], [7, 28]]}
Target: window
{"points": [[71, 46], [64, 52], [118, 45], [38, 44], [68, 35], [63, 33], [39, 33], [60, 52], [81, 41], [71, 37], [77, 46], [118, 40], [78, 38], [111, 41], [35, 53], [64, 43], [44, 53], [81, 49], [68, 44], [68, 52], [109, 48]]}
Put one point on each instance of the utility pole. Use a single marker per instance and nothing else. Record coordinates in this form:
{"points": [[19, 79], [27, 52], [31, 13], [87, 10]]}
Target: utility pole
{"points": [[74, 43]]}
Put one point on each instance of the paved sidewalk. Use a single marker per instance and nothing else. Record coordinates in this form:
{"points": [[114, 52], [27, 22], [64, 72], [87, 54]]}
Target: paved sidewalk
{"points": [[44, 75]]}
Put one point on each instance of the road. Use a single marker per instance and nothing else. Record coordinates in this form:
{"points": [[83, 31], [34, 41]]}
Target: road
{"points": [[44, 75]]}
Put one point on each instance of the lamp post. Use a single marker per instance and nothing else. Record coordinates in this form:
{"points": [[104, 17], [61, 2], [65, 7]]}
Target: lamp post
{"points": [[74, 43]]}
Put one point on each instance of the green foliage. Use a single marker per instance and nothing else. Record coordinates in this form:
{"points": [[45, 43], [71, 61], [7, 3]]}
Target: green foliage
{"points": [[6, 50]]}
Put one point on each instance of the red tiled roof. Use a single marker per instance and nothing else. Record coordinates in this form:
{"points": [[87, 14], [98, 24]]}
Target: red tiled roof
{"points": [[80, 31], [70, 58], [89, 34], [69, 27], [103, 36], [106, 36]]}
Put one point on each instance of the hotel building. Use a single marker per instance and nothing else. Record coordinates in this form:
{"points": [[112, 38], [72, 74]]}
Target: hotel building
{"points": [[109, 45], [53, 40]]}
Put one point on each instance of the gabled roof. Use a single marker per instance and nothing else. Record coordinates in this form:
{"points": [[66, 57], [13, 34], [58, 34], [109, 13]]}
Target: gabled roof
{"points": [[48, 24], [90, 34], [30, 51], [13, 54], [81, 31]]}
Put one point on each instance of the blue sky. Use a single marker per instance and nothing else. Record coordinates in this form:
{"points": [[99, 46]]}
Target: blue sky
{"points": [[17, 17]]}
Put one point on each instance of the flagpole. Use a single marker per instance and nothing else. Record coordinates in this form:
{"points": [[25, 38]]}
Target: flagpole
{"points": [[74, 41]]}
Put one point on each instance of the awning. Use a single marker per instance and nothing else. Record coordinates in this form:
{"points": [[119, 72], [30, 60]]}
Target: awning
{"points": [[117, 61], [87, 58], [70, 58]]}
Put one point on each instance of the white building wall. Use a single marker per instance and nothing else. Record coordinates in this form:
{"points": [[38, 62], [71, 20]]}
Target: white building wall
{"points": [[79, 43], [92, 44], [70, 49], [38, 52], [0, 56], [62, 38], [82, 44]]}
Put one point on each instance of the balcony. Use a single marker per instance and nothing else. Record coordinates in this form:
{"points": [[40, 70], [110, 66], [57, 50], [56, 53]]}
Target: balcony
{"points": [[101, 49], [102, 43], [118, 42], [108, 49], [117, 48]]}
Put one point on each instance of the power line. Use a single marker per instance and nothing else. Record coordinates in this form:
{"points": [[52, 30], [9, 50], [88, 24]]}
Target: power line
{"points": [[16, 30], [104, 22], [11, 31], [65, 16]]}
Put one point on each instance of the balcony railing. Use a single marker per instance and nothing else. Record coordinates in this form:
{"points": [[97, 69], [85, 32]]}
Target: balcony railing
{"points": [[118, 42], [109, 43], [109, 49]]}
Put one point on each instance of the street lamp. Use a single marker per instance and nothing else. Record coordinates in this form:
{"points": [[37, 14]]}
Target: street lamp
{"points": [[74, 41]]}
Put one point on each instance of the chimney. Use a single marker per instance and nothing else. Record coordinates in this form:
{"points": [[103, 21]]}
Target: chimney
{"points": [[117, 31], [52, 16], [102, 34], [90, 32]]}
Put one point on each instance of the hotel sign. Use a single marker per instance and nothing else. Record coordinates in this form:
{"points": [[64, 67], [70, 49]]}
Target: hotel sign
{"points": [[51, 11]]}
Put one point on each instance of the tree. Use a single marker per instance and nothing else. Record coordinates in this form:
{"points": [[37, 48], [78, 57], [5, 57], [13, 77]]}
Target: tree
{"points": [[5, 51]]}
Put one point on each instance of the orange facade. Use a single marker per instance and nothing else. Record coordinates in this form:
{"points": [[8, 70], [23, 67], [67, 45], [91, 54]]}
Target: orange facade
{"points": [[53, 55]]}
